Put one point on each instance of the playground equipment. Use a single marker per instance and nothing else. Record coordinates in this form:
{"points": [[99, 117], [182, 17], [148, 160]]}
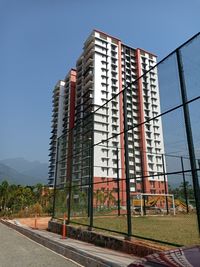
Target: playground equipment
{"points": [[158, 203]]}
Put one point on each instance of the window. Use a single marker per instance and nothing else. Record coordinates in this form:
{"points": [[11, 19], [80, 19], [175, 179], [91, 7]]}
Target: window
{"points": [[114, 152], [153, 191], [114, 75], [113, 47], [113, 61], [114, 128], [148, 134], [150, 157], [114, 82], [114, 112], [104, 62], [103, 77], [113, 54], [152, 183], [115, 144], [151, 166], [114, 161], [148, 142], [114, 88], [114, 170]]}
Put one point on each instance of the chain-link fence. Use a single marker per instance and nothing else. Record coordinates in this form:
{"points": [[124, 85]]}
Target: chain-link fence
{"points": [[132, 165]]}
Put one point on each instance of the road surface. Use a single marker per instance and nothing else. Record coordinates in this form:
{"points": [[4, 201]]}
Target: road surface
{"points": [[17, 250]]}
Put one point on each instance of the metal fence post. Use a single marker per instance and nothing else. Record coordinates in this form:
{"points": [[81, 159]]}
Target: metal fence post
{"points": [[143, 184], [55, 179], [91, 173], [89, 180], [198, 163], [184, 185], [70, 178], [118, 193], [198, 167], [164, 174], [189, 134], [128, 202]]}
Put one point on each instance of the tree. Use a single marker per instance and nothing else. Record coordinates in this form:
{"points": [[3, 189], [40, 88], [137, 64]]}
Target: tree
{"points": [[189, 190], [179, 192], [18, 198], [102, 198], [4, 194], [24, 197], [110, 198], [38, 190], [97, 198]]}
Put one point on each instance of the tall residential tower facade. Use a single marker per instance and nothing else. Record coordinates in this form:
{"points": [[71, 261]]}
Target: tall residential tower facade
{"points": [[105, 68], [62, 122]]}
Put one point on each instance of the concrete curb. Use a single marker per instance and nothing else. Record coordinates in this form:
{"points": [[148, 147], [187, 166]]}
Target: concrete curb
{"points": [[138, 248], [76, 255]]}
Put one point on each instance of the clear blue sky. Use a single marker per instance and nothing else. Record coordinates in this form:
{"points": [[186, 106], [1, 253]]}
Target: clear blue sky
{"points": [[41, 40]]}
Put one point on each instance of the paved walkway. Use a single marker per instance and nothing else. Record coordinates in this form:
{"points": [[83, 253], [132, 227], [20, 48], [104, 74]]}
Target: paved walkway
{"points": [[81, 252], [18, 251], [105, 255]]}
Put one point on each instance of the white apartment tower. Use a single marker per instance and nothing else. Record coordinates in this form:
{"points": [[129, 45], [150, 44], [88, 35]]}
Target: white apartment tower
{"points": [[105, 67], [62, 122], [57, 127]]}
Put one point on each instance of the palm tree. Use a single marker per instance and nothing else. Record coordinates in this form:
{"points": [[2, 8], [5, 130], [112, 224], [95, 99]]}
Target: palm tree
{"points": [[96, 196], [102, 198], [110, 198]]}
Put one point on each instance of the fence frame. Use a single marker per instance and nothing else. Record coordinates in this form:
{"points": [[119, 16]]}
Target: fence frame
{"points": [[190, 145]]}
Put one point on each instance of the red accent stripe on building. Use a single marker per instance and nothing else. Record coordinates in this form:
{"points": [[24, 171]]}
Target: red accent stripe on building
{"points": [[72, 93], [72, 98], [141, 116]]}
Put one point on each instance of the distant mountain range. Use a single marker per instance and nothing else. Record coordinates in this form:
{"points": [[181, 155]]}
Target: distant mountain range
{"points": [[24, 172]]}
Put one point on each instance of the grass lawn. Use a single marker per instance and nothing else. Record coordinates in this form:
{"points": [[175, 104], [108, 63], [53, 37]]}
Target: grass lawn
{"points": [[179, 229]]}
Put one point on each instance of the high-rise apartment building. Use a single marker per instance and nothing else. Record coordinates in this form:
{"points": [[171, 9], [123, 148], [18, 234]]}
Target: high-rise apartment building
{"points": [[62, 121], [103, 70]]}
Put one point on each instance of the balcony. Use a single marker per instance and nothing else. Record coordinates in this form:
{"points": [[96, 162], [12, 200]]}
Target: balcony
{"points": [[89, 55], [88, 85], [89, 76], [89, 46]]}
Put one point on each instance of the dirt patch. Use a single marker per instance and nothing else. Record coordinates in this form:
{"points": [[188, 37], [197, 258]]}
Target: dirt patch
{"points": [[40, 222]]}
